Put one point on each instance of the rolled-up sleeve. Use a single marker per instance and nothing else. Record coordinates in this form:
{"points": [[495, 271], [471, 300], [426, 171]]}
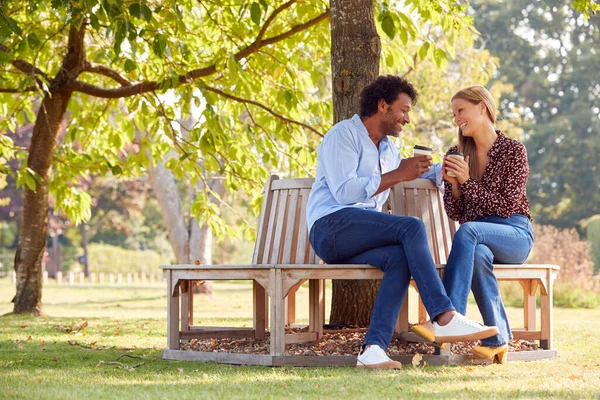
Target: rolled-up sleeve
{"points": [[340, 162]]}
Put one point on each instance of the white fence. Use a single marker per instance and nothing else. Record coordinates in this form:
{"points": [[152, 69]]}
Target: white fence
{"points": [[118, 279]]}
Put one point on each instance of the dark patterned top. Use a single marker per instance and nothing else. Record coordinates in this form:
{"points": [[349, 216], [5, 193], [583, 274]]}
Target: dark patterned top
{"points": [[501, 190]]}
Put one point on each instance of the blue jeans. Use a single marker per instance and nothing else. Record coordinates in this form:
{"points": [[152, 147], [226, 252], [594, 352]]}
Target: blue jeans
{"points": [[396, 245], [476, 246]]}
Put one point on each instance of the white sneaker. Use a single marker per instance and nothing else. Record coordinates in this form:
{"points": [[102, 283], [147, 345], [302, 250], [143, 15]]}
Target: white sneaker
{"points": [[459, 329], [374, 357]]}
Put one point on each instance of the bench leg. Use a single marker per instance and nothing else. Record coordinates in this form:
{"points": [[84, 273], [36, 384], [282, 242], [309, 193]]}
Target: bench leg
{"points": [[186, 305], [529, 291], [316, 311], [402, 323], [260, 310], [546, 311], [277, 314], [172, 314]]}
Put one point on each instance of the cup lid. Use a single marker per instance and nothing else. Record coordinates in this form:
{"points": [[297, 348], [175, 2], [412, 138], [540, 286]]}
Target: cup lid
{"points": [[417, 147], [455, 153]]}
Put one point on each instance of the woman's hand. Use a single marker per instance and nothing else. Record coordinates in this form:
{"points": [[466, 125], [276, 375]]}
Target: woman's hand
{"points": [[450, 179], [460, 168]]}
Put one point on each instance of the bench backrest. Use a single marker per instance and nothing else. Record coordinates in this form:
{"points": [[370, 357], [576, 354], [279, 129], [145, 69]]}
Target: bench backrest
{"points": [[282, 236]]}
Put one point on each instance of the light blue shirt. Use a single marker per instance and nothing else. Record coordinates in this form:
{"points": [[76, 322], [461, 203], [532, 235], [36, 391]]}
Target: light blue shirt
{"points": [[349, 169]]}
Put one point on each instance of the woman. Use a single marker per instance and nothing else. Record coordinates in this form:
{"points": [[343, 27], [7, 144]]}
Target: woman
{"points": [[485, 192]]}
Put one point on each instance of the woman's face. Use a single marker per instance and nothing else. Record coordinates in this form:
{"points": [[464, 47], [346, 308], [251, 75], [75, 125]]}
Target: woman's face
{"points": [[469, 117]]}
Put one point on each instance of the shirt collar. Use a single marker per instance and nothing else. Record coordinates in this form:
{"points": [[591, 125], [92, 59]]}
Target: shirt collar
{"points": [[363, 130]]}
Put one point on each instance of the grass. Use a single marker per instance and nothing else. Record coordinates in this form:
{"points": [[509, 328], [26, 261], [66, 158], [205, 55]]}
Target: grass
{"points": [[40, 359]]}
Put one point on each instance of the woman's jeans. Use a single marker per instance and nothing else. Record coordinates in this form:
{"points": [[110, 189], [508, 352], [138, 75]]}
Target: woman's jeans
{"points": [[396, 245], [476, 246]]}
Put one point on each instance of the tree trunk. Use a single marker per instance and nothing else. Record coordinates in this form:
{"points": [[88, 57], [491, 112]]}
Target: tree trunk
{"points": [[355, 53], [32, 236], [190, 241]]}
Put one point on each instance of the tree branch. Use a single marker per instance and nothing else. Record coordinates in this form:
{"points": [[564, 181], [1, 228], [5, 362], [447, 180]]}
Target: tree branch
{"points": [[270, 19], [148, 86], [9, 90], [259, 105], [108, 72]]}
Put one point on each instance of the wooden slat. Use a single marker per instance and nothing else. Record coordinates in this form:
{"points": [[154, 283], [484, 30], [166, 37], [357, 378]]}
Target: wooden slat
{"points": [[223, 358], [437, 227], [328, 361], [217, 333], [425, 215], [410, 202], [265, 213], [302, 251], [300, 337], [270, 231], [521, 334], [291, 229], [278, 243], [298, 183]]}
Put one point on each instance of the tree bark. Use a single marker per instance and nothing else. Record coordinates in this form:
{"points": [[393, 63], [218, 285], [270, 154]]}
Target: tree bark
{"points": [[32, 237], [355, 53]]}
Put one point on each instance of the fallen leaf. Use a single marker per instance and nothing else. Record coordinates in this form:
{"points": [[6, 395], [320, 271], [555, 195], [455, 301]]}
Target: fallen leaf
{"points": [[469, 369], [197, 262], [53, 358], [19, 345], [180, 370], [573, 377], [42, 342], [29, 337], [416, 360], [99, 363]]}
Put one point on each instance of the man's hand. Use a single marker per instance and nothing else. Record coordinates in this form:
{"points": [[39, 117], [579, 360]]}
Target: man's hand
{"points": [[409, 169], [413, 167]]}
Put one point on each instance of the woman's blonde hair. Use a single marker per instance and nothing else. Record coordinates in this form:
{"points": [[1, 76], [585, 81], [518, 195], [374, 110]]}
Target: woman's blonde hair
{"points": [[475, 95]]}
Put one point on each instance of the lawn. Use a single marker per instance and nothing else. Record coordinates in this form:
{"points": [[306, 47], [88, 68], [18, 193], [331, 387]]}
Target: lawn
{"points": [[105, 342]]}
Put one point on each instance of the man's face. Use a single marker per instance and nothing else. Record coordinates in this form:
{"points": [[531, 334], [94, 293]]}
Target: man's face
{"points": [[395, 115]]}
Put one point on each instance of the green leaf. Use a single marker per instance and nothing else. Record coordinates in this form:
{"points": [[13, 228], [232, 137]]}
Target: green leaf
{"points": [[129, 65], [94, 21], [440, 57], [159, 45], [388, 26], [423, 50], [146, 12], [255, 12], [135, 10], [264, 4], [404, 36], [33, 41]]}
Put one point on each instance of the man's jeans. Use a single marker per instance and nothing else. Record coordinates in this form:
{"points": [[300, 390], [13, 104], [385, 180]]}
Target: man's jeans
{"points": [[396, 245], [475, 247]]}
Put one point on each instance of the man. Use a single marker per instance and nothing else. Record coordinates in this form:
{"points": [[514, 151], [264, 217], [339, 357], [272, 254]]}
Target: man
{"points": [[357, 165]]}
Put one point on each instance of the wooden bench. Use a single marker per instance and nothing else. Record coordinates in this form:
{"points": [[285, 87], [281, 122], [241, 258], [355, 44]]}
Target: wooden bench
{"points": [[283, 260]]}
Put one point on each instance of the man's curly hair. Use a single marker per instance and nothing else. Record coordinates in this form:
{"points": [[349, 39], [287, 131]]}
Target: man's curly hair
{"points": [[388, 88]]}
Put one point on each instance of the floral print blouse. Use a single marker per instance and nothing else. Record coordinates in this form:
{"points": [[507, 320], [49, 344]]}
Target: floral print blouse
{"points": [[501, 190]]}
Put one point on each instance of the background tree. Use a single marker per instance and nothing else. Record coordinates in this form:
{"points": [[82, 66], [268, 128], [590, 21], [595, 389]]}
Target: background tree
{"points": [[549, 56], [75, 52]]}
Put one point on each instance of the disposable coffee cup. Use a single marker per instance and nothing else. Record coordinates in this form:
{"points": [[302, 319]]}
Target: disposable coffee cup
{"points": [[456, 154], [422, 151]]}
